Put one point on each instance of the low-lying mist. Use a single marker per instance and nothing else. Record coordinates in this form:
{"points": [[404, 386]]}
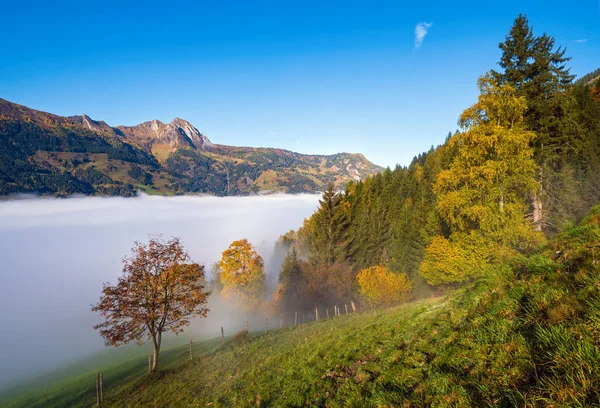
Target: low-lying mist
{"points": [[56, 253]]}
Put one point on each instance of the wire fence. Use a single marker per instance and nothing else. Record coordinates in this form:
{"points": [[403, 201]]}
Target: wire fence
{"points": [[254, 327]]}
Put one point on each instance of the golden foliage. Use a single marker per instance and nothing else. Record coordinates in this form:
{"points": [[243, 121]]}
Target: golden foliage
{"points": [[447, 262], [242, 275], [496, 105], [493, 173], [483, 196], [381, 286]]}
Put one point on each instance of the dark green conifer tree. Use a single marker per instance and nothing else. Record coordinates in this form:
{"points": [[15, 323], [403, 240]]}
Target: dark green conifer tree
{"points": [[329, 235], [292, 282], [537, 71]]}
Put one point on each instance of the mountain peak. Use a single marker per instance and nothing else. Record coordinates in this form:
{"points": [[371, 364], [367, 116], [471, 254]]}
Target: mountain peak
{"points": [[156, 135], [187, 129]]}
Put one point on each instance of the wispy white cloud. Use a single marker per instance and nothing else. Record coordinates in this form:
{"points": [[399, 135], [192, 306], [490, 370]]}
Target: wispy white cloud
{"points": [[583, 40], [421, 31]]}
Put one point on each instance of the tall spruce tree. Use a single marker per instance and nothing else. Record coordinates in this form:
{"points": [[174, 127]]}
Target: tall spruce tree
{"points": [[291, 282], [538, 72], [329, 229]]}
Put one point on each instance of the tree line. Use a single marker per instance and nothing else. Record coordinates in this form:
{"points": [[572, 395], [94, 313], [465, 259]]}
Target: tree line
{"points": [[524, 162]]}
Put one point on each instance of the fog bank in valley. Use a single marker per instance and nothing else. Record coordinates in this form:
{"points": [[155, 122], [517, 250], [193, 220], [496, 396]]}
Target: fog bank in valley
{"points": [[56, 253]]}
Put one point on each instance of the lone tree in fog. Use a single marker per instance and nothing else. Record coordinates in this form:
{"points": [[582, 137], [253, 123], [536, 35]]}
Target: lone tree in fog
{"points": [[160, 290], [242, 274]]}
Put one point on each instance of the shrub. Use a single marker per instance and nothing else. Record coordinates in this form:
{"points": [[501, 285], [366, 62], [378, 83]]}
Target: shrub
{"points": [[383, 287]]}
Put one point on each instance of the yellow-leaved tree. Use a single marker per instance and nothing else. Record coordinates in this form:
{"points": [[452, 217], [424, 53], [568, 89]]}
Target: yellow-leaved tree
{"points": [[242, 276], [454, 260], [380, 286], [484, 195]]}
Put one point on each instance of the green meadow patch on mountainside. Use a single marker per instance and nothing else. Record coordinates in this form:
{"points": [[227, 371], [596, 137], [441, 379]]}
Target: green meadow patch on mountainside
{"points": [[526, 334]]}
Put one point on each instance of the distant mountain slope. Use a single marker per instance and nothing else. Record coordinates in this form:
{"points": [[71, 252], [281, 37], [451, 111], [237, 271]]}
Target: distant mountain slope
{"points": [[49, 154], [588, 78]]}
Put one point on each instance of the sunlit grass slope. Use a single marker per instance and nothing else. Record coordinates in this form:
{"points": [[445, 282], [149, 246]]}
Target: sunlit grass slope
{"points": [[74, 385], [527, 334]]}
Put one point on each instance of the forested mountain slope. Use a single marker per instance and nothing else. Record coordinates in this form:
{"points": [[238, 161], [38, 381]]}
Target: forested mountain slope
{"points": [[49, 154]]}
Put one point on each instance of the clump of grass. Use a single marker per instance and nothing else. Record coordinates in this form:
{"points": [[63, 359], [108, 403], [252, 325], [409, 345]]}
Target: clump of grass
{"points": [[240, 338], [540, 264]]}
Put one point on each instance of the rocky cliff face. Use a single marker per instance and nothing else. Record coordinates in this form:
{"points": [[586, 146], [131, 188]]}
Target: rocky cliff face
{"points": [[91, 124], [155, 135]]}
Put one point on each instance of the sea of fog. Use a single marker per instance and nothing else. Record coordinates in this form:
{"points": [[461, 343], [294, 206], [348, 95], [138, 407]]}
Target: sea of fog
{"points": [[55, 255]]}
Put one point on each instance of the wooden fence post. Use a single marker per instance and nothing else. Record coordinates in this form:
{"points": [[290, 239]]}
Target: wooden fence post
{"points": [[266, 323], [101, 387], [97, 389], [316, 314], [190, 349], [149, 365], [346, 306], [296, 319], [353, 307], [222, 335], [327, 310], [281, 321]]}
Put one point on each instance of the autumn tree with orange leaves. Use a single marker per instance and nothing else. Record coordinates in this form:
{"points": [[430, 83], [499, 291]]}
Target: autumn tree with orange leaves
{"points": [[242, 275], [595, 91], [160, 291]]}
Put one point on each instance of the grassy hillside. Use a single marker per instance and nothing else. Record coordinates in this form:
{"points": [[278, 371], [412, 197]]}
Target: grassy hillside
{"points": [[527, 334], [73, 385], [291, 360]]}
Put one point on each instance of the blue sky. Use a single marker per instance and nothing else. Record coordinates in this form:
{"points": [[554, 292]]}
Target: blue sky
{"points": [[310, 76]]}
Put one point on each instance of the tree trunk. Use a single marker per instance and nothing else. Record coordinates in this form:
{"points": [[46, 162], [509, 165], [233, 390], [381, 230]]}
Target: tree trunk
{"points": [[538, 214], [156, 349]]}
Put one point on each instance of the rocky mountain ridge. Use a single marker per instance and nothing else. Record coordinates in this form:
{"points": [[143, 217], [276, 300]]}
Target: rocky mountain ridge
{"points": [[51, 154]]}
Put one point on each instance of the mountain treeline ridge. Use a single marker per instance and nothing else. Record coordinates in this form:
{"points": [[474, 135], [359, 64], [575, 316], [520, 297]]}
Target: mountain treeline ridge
{"points": [[54, 155]]}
